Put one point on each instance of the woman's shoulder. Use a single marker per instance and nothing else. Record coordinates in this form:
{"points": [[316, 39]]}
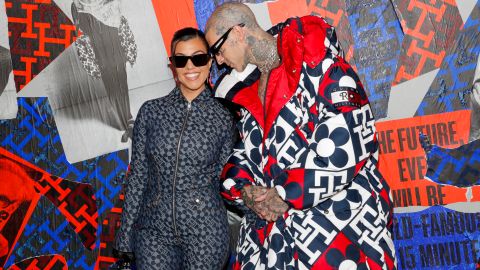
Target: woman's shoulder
{"points": [[155, 105], [220, 107]]}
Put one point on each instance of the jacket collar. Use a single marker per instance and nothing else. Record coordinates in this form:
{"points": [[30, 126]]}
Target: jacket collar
{"points": [[231, 83], [242, 88], [299, 40], [177, 96]]}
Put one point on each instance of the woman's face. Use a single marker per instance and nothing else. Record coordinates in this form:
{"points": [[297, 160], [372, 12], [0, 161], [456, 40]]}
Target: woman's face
{"points": [[190, 77]]}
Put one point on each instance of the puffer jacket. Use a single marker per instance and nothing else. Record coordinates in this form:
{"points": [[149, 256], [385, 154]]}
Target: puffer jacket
{"points": [[179, 149], [314, 141]]}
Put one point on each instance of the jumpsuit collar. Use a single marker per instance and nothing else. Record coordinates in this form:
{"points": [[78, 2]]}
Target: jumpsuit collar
{"points": [[205, 95]]}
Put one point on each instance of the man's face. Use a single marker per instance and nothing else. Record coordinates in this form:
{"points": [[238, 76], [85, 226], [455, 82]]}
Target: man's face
{"points": [[230, 52]]}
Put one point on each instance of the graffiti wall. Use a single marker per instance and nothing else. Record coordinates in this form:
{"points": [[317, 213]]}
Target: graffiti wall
{"points": [[73, 74]]}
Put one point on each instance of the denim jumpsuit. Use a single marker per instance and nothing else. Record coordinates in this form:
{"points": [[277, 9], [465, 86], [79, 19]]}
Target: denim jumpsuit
{"points": [[173, 216]]}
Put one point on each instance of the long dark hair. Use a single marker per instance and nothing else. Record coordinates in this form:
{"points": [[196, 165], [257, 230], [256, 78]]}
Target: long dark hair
{"points": [[185, 34]]}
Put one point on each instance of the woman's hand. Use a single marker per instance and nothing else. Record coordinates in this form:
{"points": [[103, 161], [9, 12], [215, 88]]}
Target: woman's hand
{"points": [[126, 260]]}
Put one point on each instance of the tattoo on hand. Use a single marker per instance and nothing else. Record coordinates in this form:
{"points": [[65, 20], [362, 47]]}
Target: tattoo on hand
{"points": [[250, 193], [270, 208], [247, 199]]}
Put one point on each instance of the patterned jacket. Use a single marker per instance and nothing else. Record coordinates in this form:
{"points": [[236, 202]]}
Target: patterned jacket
{"points": [[178, 152], [314, 141]]}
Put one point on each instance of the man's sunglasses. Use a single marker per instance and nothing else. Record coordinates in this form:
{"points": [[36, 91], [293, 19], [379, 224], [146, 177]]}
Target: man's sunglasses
{"points": [[215, 48], [198, 60]]}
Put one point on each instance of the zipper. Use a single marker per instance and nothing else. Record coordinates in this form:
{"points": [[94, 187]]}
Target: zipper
{"points": [[264, 137], [174, 213]]}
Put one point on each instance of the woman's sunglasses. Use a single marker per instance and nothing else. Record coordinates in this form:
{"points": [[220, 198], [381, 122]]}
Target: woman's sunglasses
{"points": [[198, 60]]}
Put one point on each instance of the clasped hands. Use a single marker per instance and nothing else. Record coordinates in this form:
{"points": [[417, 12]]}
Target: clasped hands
{"points": [[265, 202]]}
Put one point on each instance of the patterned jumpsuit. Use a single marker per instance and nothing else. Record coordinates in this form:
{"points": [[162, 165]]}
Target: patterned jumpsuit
{"points": [[174, 217]]}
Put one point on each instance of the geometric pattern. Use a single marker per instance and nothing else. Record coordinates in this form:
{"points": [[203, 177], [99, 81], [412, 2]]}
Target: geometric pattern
{"points": [[34, 137], [110, 225], [74, 200], [35, 129], [335, 13], [179, 145], [377, 36], [48, 232], [452, 88], [17, 201], [39, 31], [318, 152], [437, 238], [429, 28], [50, 262], [459, 166]]}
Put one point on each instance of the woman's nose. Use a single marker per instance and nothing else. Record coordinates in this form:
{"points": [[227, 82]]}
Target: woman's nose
{"points": [[190, 64]]}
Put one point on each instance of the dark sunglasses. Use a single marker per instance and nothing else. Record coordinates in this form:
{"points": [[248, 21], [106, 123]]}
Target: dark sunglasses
{"points": [[198, 60], [215, 48]]}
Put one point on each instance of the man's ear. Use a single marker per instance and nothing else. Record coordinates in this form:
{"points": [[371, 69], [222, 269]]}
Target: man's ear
{"points": [[240, 33]]}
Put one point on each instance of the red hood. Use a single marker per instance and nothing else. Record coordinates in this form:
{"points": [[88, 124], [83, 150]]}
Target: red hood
{"points": [[306, 39]]}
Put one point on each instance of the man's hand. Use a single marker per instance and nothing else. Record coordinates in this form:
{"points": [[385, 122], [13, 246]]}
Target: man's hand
{"points": [[264, 201], [250, 195], [271, 205]]}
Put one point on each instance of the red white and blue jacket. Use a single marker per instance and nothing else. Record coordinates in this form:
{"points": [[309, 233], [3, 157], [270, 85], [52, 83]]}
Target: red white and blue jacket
{"points": [[313, 140]]}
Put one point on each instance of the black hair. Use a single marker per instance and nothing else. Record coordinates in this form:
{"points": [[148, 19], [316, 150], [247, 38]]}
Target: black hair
{"points": [[185, 34]]}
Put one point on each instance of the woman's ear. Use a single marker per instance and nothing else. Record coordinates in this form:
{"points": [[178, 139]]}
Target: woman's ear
{"points": [[174, 71]]}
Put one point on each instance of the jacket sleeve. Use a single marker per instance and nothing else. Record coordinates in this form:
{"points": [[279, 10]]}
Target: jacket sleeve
{"points": [[226, 150], [137, 179], [236, 174], [340, 139]]}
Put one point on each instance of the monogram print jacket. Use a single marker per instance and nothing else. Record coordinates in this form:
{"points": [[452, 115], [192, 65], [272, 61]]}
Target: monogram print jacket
{"points": [[314, 141]]}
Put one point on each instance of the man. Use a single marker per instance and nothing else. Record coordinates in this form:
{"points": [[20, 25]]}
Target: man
{"points": [[305, 170]]}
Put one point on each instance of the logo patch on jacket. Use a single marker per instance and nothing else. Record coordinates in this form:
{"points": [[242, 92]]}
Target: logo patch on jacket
{"points": [[346, 96]]}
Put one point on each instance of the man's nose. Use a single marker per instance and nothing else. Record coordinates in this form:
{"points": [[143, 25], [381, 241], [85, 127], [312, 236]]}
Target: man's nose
{"points": [[219, 58]]}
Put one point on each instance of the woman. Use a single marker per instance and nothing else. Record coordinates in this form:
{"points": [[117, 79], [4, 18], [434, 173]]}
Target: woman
{"points": [[174, 217]]}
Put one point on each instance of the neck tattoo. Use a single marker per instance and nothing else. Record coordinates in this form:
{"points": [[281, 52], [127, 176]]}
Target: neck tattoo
{"points": [[270, 60], [264, 53]]}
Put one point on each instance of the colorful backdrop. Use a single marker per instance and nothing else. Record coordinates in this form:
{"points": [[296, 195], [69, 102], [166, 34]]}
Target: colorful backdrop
{"points": [[63, 160]]}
